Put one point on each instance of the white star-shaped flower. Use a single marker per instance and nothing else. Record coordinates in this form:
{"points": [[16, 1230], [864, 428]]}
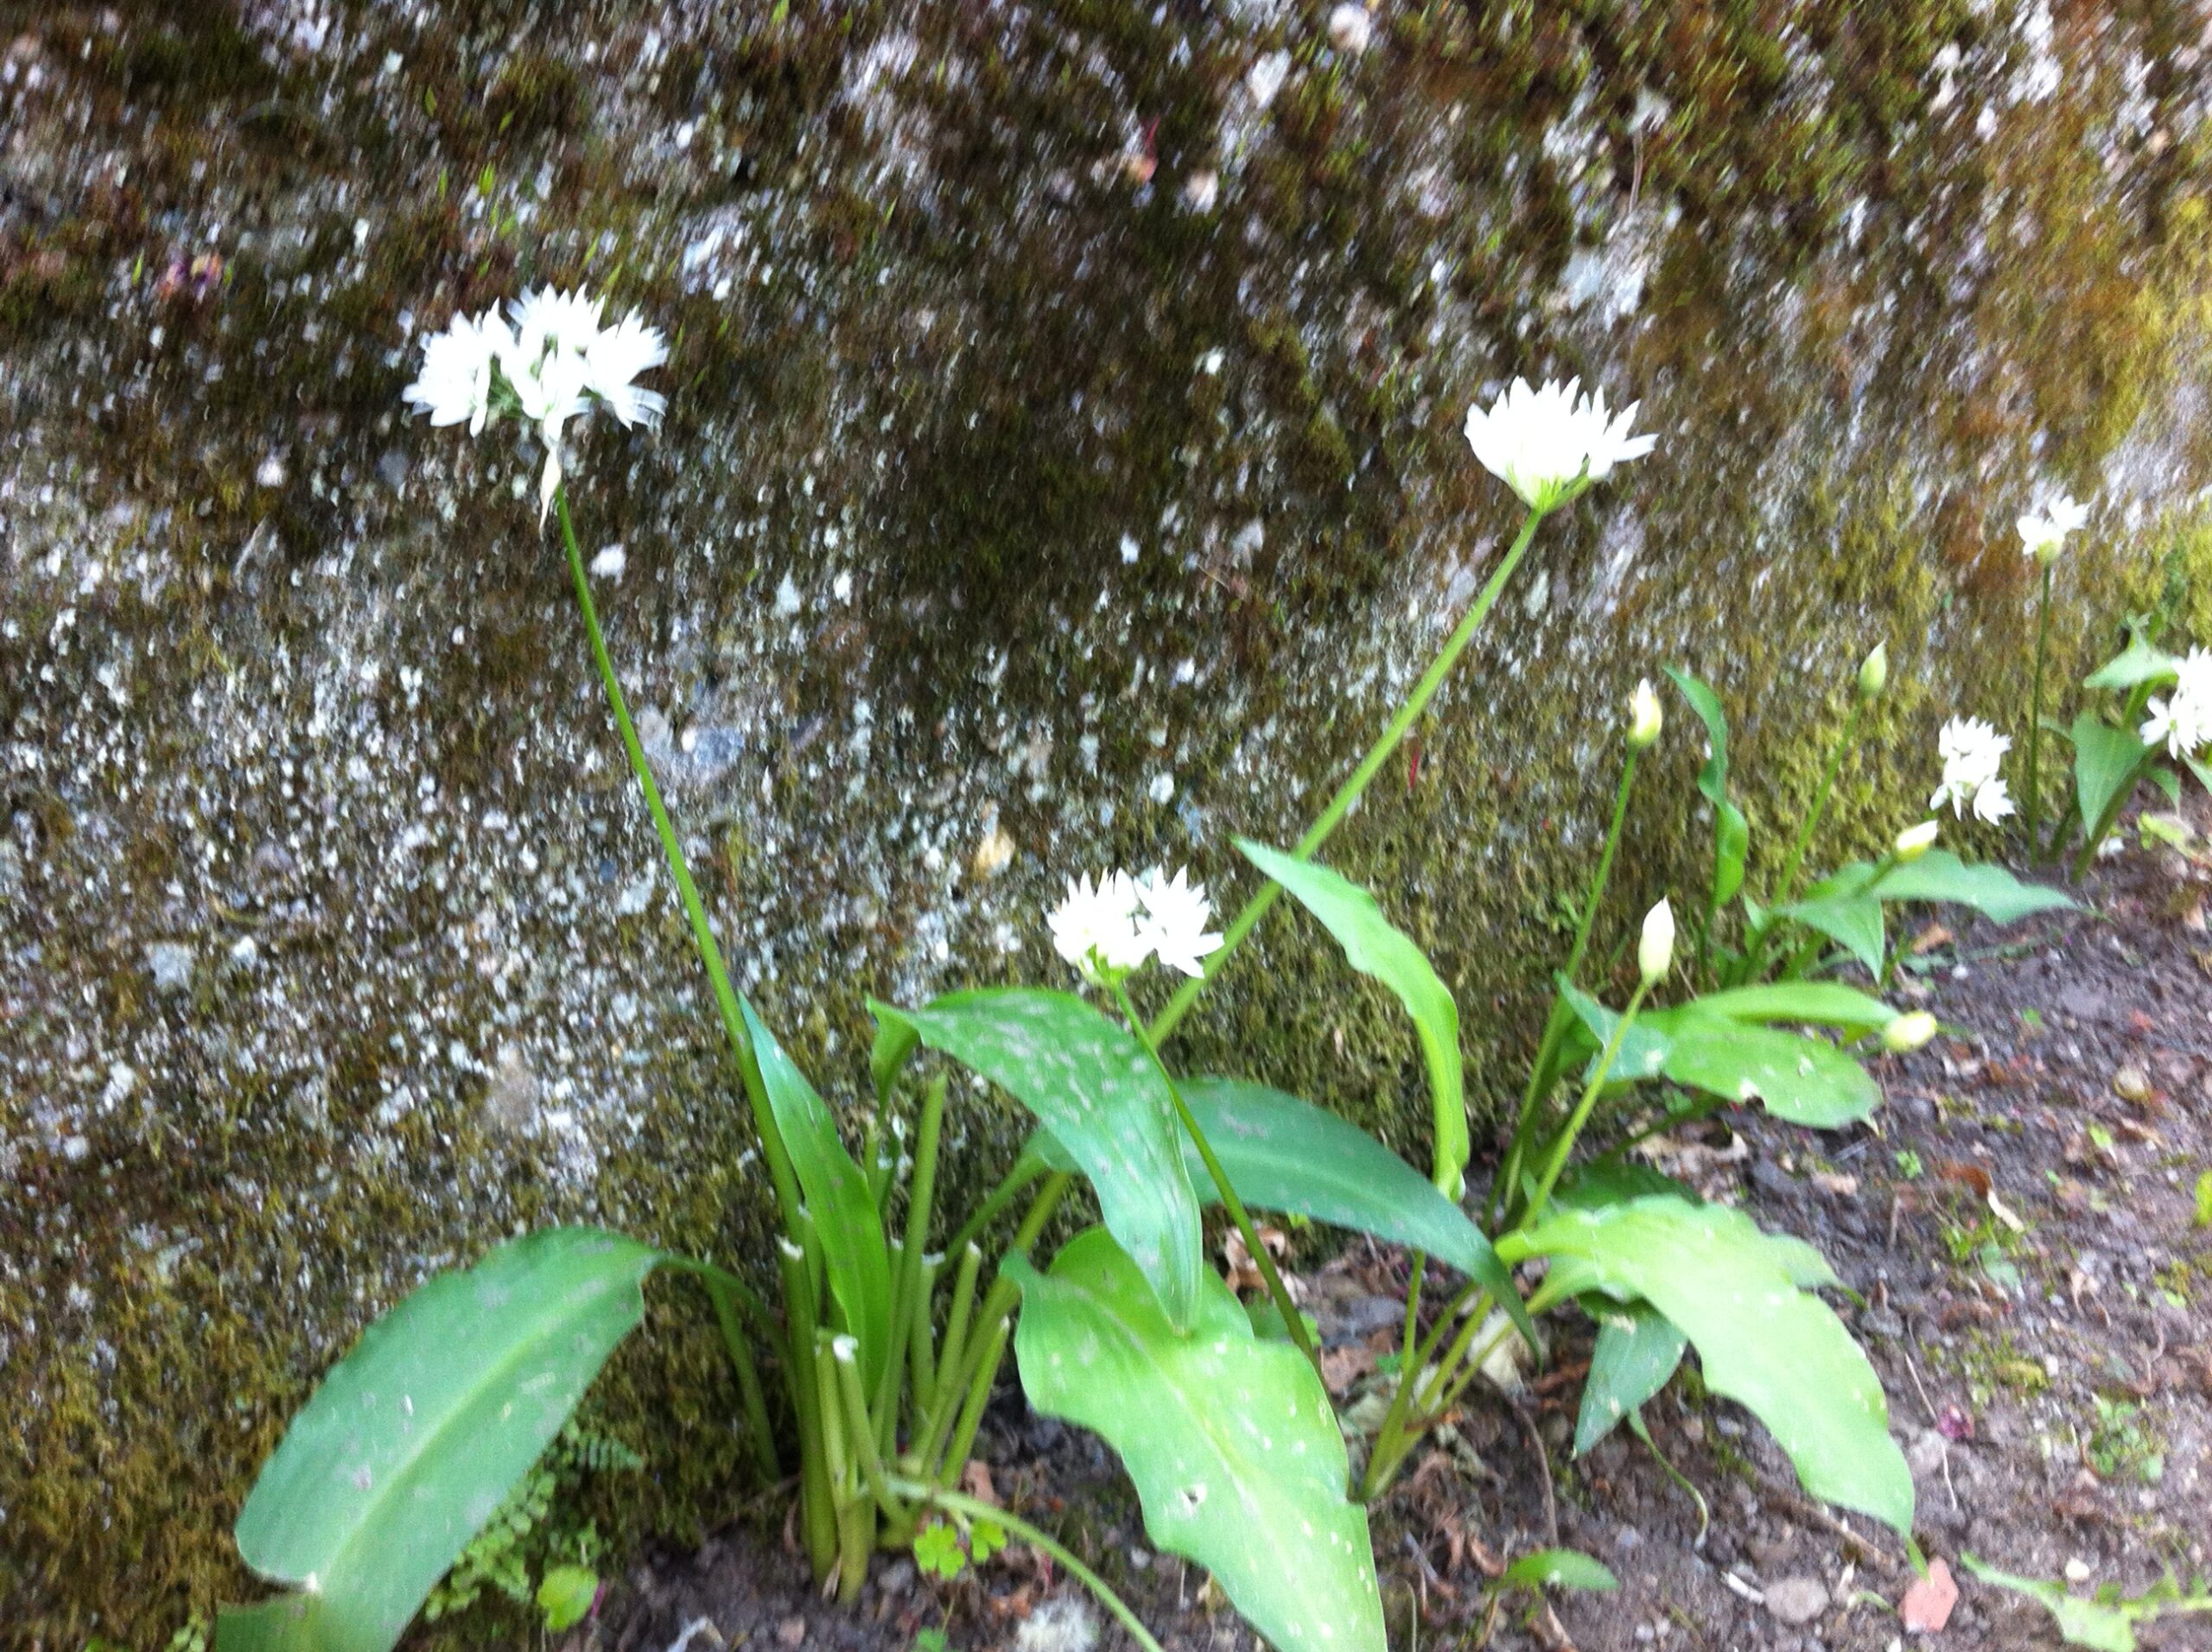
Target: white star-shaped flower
{"points": [[457, 382], [2042, 537], [1173, 918], [1545, 443], [2181, 722], [1095, 927], [1972, 752]]}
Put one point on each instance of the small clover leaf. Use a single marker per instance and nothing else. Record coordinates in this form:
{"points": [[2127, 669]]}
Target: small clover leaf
{"points": [[936, 1549], [985, 1539]]}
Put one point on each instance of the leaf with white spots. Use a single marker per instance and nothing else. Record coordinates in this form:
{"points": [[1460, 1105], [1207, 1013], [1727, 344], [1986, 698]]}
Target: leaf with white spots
{"points": [[1229, 1439], [418, 1434], [1805, 1080], [1776, 1349], [1090, 1081], [1637, 1350]]}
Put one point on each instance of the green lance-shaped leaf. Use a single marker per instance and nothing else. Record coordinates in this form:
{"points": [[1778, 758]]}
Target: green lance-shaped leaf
{"points": [[1852, 921], [1819, 1003], [847, 1223], [1637, 1350], [1941, 876], [1377, 948], [1732, 833], [2105, 763], [1229, 1438], [1559, 1568], [2137, 664], [1803, 1080], [1093, 1084], [1764, 1342], [418, 1434], [1285, 1154]]}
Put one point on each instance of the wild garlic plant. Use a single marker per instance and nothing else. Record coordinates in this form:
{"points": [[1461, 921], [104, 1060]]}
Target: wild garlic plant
{"points": [[2043, 536], [884, 1348], [2152, 718]]}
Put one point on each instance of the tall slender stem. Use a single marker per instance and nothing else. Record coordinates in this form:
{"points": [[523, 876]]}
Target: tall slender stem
{"points": [[2033, 800], [1560, 1017], [695, 910], [1581, 1115], [1349, 793], [1785, 887], [1294, 1323]]}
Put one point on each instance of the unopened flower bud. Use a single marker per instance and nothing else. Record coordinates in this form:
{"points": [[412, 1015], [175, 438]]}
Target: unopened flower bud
{"points": [[1874, 672], [1907, 1032], [1645, 719], [1915, 841], [1655, 953]]}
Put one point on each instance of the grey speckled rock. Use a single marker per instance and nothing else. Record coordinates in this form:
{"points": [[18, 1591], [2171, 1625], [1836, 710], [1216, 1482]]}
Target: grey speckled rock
{"points": [[1063, 467]]}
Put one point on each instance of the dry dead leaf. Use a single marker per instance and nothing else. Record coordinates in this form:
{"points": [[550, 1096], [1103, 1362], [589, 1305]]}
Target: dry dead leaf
{"points": [[1926, 1606], [1931, 937], [1835, 1182]]}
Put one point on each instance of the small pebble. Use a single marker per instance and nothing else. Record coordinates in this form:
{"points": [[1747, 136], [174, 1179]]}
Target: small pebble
{"points": [[1797, 1600], [170, 965]]}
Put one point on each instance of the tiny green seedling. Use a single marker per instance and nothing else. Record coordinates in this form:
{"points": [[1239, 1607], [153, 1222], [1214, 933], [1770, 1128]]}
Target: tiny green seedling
{"points": [[2107, 1621], [566, 1596], [2204, 1200]]}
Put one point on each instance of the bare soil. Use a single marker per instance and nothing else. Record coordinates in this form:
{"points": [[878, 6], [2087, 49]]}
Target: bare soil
{"points": [[2018, 1224]]}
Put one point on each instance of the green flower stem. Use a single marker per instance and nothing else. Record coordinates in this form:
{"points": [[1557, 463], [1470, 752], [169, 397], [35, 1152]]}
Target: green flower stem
{"points": [[921, 1347], [2033, 799], [956, 1328], [907, 1302], [856, 1514], [1785, 887], [710, 952], [1026, 1170], [977, 1360], [1385, 1453], [1293, 1322], [817, 1495], [1560, 1017], [860, 1432], [1581, 1115], [1349, 794], [1542, 1300], [748, 1380], [971, 1408], [974, 1508]]}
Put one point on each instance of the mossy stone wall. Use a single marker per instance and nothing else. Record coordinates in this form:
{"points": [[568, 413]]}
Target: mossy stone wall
{"points": [[1063, 468]]}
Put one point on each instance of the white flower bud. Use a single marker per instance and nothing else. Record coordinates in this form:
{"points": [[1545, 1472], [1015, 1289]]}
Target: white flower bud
{"points": [[1915, 841], [1645, 719], [1874, 672], [1907, 1032], [1655, 953]]}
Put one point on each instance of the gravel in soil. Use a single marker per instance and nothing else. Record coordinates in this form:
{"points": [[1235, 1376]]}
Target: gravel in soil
{"points": [[2019, 1225]]}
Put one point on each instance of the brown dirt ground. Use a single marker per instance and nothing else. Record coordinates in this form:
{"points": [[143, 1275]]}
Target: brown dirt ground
{"points": [[2068, 1360]]}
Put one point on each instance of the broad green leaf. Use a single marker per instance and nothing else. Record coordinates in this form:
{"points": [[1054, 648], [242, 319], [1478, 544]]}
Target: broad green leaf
{"points": [[1282, 1154], [1774, 1348], [1940, 875], [288, 1624], [1854, 922], [1376, 949], [2105, 1627], [1559, 1568], [1732, 833], [1819, 1003], [418, 1434], [1637, 1350], [1229, 1439], [2137, 664], [1092, 1082], [2197, 767], [1592, 1187], [1804, 1080], [2104, 762], [847, 1223]]}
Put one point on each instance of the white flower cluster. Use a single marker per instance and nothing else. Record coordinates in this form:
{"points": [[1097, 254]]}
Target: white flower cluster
{"points": [[547, 361], [1544, 443], [2042, 537], [2181, 722], [1972, 751], [1109, 925]]}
